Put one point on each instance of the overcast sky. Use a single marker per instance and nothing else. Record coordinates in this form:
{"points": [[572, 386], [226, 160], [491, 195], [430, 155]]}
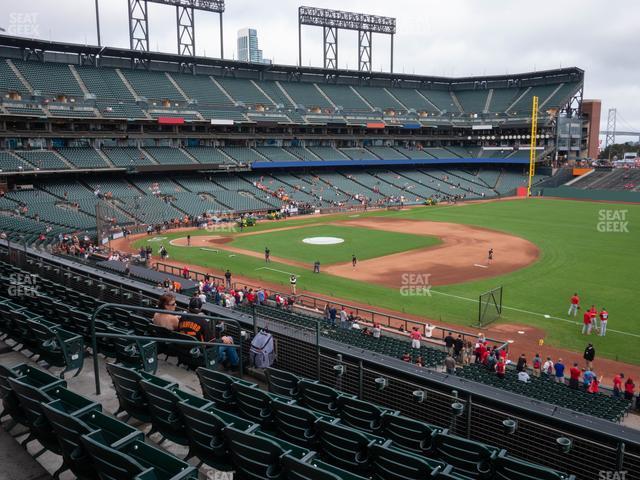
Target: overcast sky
{"points": [[435, 37]]}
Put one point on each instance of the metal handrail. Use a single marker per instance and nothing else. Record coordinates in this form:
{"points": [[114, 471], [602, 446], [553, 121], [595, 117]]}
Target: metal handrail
{"points": [[104, 306]]}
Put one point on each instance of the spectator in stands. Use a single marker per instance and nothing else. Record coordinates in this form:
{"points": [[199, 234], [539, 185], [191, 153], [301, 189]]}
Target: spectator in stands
{"points": [[492, 359], [617, 384], [629, 389], [589, 355], [428, 330], [333, 313], [547, 368], [166, 320], [574, 376], [228, 356], [185, 272], [449, 342], [406, 357], [199, 328], [501, 368], [376, 331], [537, 365], [415, 338], [344, 318], [450, 364], [587, 376], [420, 361], [458, 345], [521, 366], [467, 352], [559, 367], [594, 385]]}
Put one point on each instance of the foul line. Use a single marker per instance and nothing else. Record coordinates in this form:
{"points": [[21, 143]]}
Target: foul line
{"points": [[532, 313], [279, 271]]}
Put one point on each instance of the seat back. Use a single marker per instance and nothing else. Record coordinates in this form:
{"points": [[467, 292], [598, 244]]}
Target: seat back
{"points": [[510, 468], [166, 417], [318, 397], [109, 463], [205, 429], [254, 456], [216, 386], [69, 429], [393, 464], [345, 447], [295, 423], [471, 458], [282, 383], [253, 403], [360, 414], [408, 433], [130, 395], [193, 356], [31, 400], [314, 470]]}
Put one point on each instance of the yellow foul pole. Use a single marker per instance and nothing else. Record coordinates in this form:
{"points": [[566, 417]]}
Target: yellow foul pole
{"points": [[532, 152]]}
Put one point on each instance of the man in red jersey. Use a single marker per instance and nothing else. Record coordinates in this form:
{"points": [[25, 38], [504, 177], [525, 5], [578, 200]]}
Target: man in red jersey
{"points": [[574, 306]]}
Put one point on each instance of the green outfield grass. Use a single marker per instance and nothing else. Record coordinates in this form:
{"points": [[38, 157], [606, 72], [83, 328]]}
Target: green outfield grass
{"points": [[362, 242], [604, 268]]}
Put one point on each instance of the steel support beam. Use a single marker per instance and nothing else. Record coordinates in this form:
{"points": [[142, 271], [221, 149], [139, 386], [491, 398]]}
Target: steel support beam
{"points": [[364, 50], [138, 25], [610, 139], [185, 21], [333, 20], [330, 42]]}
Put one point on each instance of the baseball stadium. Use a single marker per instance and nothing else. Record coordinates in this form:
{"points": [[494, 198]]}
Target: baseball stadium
{"points": [[217, 268]]}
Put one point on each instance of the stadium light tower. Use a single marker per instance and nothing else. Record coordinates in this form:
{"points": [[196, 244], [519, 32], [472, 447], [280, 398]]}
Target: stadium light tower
{"points": [[185, 23], [333, 20]]}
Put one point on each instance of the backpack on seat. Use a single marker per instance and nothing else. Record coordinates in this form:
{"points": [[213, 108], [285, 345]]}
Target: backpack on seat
{"points": [[262, 353]]}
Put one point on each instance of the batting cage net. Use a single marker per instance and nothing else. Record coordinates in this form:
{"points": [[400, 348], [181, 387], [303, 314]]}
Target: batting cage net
{"points": [[489, 306]]}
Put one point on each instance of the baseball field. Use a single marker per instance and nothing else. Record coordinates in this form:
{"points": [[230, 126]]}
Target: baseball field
{"points": [[433, 262]]}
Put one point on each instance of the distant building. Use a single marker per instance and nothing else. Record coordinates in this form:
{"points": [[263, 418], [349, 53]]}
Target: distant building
{"points": [[591, 114], [248, 50]]}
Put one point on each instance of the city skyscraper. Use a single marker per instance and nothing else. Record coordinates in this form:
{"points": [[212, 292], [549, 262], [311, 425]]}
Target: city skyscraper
{"points": [[248, 50]]}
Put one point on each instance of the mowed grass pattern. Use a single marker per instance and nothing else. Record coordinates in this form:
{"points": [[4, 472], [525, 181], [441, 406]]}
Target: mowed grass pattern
{"points": [[604, 268], [364, 243]]}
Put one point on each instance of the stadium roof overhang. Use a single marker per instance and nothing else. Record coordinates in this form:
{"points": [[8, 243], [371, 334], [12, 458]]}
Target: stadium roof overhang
{"points": [[35, 45]]}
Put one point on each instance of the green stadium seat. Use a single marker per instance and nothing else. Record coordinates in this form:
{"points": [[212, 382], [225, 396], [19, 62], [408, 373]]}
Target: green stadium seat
{"points": [[360, 414], [69, 429], [131, 397], [510, 468], [58, 347], [408, 433], [166, 418], [205, 429], [134, 460], [470, 458], [217, 386], [346, 447], [393, 464], [31, 400], [257, 456], [297, 424], [137, 354], [281, 382], [319, 397], [27, 374], [315, 470], [191, 356]]}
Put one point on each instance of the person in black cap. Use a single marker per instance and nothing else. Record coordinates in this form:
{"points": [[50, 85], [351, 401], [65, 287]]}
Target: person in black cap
{"points": [[195, 326]]}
